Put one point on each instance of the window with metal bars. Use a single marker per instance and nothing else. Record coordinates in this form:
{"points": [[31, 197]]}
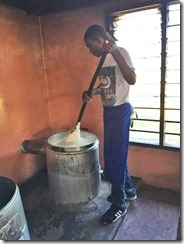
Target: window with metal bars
{"points": [[151, 35]]}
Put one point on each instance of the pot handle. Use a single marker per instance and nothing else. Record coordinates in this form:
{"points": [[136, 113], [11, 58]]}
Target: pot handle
{"points": [[36, 146]]}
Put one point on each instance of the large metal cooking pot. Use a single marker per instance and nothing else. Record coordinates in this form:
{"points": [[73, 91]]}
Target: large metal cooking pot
{"points": [[73, 171]]}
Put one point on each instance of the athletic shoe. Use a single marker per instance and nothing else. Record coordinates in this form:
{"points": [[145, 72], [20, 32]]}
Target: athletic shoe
{"points": [[131, 194], [113, 214]]}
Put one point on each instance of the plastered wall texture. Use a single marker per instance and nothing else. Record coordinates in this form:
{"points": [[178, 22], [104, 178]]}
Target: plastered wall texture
{"points": [[23, 109], [44, 68]]}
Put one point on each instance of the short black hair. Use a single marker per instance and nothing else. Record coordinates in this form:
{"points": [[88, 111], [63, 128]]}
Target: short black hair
{"points": [[94, 32]]}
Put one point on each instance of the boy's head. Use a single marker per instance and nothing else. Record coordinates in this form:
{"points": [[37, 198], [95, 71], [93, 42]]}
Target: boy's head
{"points": [[94, 32], [94, 39]]}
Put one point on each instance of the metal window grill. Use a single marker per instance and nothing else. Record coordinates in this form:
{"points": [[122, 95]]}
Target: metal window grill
{"points": [[151, 35]]}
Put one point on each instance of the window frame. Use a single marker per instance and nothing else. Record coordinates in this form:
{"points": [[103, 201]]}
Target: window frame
{"points": [[164, 15]]}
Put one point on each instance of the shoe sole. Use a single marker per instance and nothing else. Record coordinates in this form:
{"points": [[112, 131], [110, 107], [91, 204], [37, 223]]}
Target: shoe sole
{"points": [[131, 198]]}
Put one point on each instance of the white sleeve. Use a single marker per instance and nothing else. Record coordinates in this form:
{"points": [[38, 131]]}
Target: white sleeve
{"points": [[127, 57]]}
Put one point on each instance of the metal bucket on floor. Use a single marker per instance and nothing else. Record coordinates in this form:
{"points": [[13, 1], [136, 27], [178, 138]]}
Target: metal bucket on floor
{"points": [[13, 224]]}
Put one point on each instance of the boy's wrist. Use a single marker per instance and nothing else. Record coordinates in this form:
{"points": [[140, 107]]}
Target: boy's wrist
{"points": [[116, 51]]}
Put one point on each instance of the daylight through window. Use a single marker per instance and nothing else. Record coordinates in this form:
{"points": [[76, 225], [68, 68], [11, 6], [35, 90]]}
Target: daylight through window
{"points": [[152, 37]]}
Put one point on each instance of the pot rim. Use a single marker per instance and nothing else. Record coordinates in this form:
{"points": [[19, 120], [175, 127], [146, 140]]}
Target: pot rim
{"points": [[57, 136]]}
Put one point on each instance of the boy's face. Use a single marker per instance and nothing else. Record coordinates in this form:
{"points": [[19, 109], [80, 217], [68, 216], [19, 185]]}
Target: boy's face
{"points": [[95, 46]]}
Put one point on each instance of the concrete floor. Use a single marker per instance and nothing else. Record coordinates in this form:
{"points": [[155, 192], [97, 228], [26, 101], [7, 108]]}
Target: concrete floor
{"points": [[153, 216]]}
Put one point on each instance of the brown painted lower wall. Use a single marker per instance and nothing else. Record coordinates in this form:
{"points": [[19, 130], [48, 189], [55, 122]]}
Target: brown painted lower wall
{"points": [[156, 167]]}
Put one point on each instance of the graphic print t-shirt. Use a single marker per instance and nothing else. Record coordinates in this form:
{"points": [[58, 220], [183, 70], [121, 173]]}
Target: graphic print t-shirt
{"points": [[114, 87]]}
